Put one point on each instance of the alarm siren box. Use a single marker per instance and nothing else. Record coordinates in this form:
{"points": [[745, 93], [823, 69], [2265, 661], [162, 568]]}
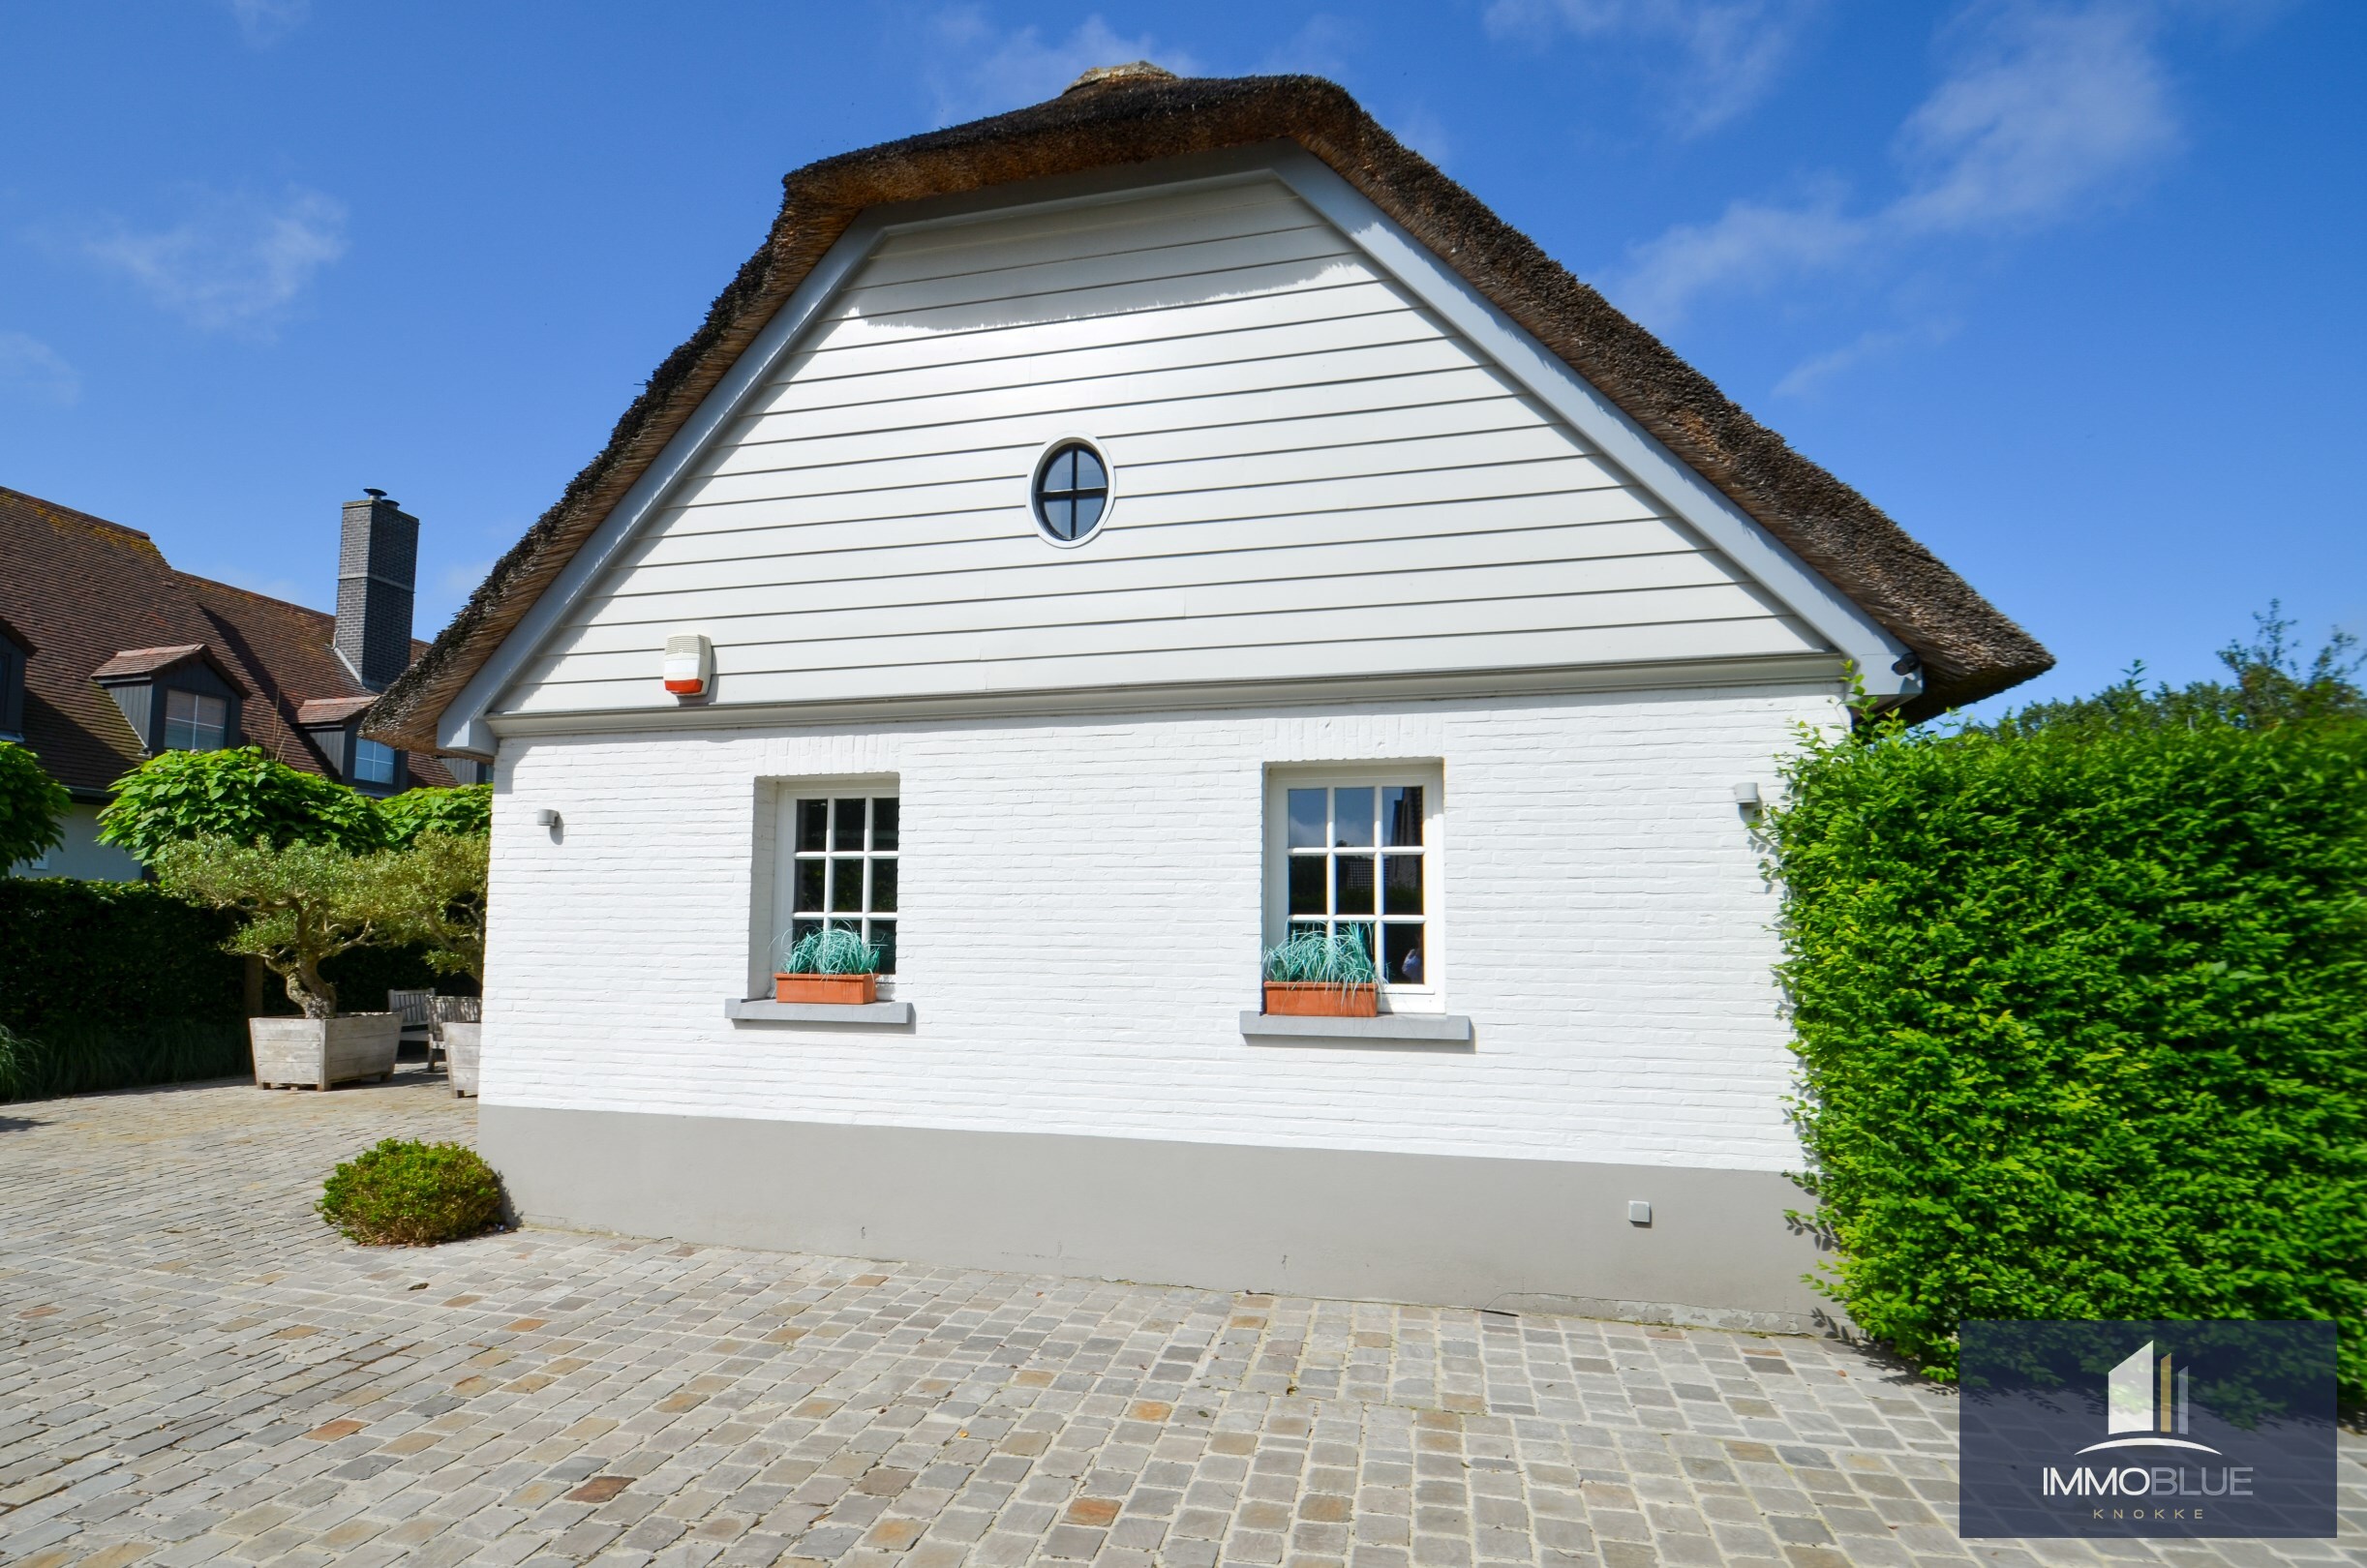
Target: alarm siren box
{"points": [[690, 664]]}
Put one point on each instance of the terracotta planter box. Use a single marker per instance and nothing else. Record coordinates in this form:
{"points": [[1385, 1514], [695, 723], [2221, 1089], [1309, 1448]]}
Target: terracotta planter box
{"points": [[322, 1052], [460, 1054], [1294, 1000], [853, 990]]}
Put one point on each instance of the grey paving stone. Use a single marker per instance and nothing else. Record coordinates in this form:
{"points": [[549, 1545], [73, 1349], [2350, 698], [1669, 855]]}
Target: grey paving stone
{"points": [[197, 1370]]}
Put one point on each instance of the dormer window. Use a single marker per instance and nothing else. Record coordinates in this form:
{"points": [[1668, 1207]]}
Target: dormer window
{"points": [[374, 762], [174, 699], [195, 721], [15, 652]]}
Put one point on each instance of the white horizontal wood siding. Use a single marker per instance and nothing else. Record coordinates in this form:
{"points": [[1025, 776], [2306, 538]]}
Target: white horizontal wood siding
{"points": [[1313, 476]]}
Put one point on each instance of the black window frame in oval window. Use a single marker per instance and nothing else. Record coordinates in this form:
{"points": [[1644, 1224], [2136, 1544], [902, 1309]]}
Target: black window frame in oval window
{"points": [[1055, 496]]}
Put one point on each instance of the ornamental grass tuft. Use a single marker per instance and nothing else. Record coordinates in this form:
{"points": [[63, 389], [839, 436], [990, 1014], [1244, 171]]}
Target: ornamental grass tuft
{"points": [[409, 1193], [831, 951], [1311, 958]]}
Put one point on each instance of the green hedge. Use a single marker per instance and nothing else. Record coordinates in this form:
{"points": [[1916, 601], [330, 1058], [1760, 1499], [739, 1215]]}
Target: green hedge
{"points": [[362, 976], [2083, 1015], [79, 954], [111, 984]]}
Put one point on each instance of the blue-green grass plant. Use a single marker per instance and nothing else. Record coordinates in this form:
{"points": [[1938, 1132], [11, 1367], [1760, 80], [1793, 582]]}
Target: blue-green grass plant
{"points": [[1311, 958], [831, 951]]}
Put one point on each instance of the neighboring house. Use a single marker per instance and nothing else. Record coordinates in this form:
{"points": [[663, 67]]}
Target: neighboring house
{"points": [[109, 656], [1128, 529]]}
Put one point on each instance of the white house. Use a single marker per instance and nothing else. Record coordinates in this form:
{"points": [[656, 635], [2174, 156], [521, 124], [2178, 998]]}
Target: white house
{"points": [[1122, 527]]}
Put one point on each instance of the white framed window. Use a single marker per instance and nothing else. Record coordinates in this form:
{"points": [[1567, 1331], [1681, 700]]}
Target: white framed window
{"points": [[1360, 850], [1071, 495], [195, 721], [374, 762], [838, 848]]}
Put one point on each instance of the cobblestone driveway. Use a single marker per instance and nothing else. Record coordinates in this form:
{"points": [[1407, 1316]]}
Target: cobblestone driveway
{"points": [[196, 1369]]}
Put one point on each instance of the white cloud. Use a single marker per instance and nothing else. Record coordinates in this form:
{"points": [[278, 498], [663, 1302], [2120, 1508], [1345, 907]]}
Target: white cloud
{"points": [[1810, 374], [2049, 111], [32, 368], [1321, 47], [235, 262], [264, 22], [2046, 109], [1732, 50], [1751, 247], [977, 69]]}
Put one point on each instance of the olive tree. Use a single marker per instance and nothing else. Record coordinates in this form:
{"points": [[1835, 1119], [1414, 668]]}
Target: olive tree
{"points": [[299, 904], [445, 875]]}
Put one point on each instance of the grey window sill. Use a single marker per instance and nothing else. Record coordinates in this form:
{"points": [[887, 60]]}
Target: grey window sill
{"points": [[761, 1010], [1390, 1028]]}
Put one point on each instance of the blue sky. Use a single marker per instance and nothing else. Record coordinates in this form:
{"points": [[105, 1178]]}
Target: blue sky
{"points": [[2071, 288]]}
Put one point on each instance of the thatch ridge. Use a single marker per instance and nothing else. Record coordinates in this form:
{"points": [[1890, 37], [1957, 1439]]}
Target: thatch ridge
{"points": [[1968, 650]]}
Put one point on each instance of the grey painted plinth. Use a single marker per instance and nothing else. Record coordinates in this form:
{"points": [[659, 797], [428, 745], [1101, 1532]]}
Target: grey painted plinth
{"points": [[1514, 1234], [1390, 1028], [764, 1009], [461, 1041], [324, 1051]]}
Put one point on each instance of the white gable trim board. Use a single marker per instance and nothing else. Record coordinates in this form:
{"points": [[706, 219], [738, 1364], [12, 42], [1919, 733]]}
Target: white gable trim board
{"points": [[1641, 462], [1362, 528]]}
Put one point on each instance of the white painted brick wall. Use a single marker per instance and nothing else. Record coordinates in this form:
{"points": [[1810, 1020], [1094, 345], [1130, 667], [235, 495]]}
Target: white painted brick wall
{"points": [[1081, 916]]}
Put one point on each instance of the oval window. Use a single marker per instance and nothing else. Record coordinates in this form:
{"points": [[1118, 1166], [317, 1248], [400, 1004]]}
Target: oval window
{"points": [[1072, 494]]}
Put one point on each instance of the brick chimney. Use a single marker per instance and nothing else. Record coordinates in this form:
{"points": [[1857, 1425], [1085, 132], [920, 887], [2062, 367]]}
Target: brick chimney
{"points": [[377, 559]]}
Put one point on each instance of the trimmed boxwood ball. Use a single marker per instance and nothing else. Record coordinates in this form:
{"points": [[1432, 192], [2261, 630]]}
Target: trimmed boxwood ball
{"points": [[409, 1193]]}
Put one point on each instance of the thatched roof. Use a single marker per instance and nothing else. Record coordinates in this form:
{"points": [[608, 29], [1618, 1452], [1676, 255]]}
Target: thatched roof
{"points": [[1130, 115]]}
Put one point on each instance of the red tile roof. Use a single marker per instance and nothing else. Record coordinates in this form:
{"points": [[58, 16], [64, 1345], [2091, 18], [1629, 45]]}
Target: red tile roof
{"points": [[94, 595], [330, 709], [151, 660]]}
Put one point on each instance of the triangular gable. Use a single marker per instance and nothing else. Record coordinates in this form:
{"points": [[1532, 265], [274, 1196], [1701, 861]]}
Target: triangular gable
{"points": [[1319, 478], [1820, 548]]}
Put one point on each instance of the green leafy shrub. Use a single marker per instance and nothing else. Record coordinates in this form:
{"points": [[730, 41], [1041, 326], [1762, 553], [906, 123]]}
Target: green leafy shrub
{"points": [[464, 810], [242, 796], [32, 805], [178, 796], [1311, 958], [409, 1193], [2081, 1008], [831, 951], [82, 1057]]}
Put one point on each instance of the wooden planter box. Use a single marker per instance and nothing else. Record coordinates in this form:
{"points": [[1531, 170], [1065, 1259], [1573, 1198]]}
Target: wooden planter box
{"points": [[322, 1052], [1294, 1000], [853, 990], [460, 1053]]}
